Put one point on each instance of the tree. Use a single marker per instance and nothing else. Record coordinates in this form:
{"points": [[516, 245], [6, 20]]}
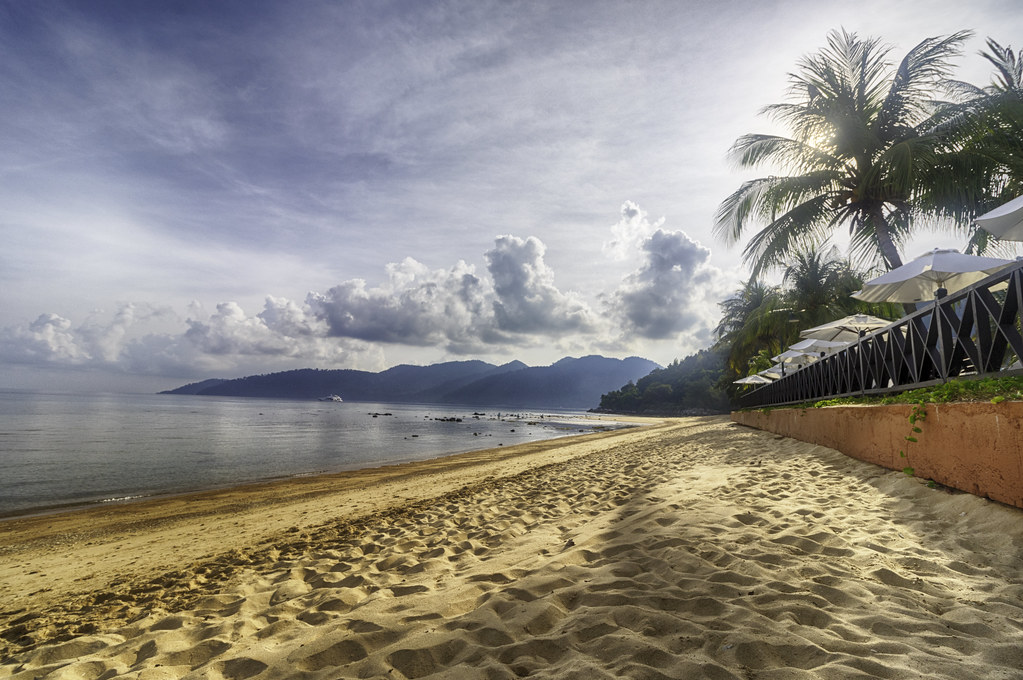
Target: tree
{"points": [[986, 125], [1002, 136], [864, 139], [819, 286], [749, 321], [739, 308], [687, 386], [759, 322]]}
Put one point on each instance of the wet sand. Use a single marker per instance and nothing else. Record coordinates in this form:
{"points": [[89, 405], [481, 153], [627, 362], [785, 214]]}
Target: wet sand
{"points": [[693, 548]]}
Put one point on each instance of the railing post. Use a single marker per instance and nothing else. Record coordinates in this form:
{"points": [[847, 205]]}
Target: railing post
{"points": [[859, 357]]}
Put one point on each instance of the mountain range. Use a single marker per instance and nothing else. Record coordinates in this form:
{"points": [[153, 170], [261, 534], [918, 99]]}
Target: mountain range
{"points": [[572, 383]]}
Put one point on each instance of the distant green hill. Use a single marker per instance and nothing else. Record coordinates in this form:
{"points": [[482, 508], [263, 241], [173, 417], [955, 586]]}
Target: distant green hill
{"points": [[570, 383], [690, 386]]}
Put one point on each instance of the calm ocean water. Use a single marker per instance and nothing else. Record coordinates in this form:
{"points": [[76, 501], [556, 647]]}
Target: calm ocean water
{"points": [[63, 451]]}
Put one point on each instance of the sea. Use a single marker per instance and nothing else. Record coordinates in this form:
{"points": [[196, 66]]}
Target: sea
{"points": [[68, 451]]}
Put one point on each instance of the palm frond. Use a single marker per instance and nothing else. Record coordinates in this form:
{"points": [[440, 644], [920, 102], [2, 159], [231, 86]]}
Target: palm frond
{"points": [[754, 150], [802, 226], [734, 212], [1008, 67], [918, 75], [871, 148]]}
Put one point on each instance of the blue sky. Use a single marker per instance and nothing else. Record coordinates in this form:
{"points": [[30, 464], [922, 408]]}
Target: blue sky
{"points": [[197, 189]]}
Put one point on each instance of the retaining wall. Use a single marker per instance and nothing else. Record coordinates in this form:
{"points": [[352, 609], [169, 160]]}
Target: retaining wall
{"points": [[974, 447]]}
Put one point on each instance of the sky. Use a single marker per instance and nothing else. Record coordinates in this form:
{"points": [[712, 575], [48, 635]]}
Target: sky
{"points": [[195, 189]]}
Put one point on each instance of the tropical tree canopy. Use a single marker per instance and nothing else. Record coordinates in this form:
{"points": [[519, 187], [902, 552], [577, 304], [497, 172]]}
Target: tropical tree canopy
{"points": [[865, 144], [760, 321], [986, 124]]}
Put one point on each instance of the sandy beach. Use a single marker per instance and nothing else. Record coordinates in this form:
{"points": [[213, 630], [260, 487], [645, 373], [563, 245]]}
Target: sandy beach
{"points": [[688, 548]]}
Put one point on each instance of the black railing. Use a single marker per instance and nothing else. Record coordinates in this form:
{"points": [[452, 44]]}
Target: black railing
{"points": [[973, 332]]}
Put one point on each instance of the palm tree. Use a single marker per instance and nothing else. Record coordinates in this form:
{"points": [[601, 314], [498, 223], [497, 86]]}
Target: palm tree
{"points": [[1004, 138], [748, 323], [1008, 75], [863, 142], [982, 131], [738, 308], [1008, 67], [986, 124], [760, 321], [819, 286]]}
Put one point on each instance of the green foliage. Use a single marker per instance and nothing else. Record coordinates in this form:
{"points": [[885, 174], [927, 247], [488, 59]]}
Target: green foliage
{"points": [[759, 321], [917, 415], [865, 154], [692, 384], [984, 389], [838, 401], [995, 390]]}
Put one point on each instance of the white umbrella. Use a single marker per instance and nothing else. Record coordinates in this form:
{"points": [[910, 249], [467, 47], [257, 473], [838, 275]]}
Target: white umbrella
{"points": [[922, 278], [816, 346], [755, 379], [774, 372], [845, 329], [794, 356], [1005, 221]]}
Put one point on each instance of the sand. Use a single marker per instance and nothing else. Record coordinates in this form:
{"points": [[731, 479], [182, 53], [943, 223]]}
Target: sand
{"points": [[696, 548]]}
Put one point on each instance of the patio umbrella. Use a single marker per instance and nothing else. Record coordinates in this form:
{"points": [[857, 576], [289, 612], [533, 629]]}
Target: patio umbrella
{"points": [[774, 372], [1005, 221], [794, 356], [847, 329], [817, 346], [925, 277], [754, 379]]}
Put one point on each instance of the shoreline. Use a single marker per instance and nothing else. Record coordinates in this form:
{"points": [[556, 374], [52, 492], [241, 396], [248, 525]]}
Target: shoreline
{"points": [[694, 547], [72, 497], [625, 422], [105, 537]]}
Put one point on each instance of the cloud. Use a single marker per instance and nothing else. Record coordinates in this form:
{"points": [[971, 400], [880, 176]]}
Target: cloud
{"points": [[455, 307], [630, 231], [515, 304], [282, 335], [671, 294], [527, 299], [47, 339], [54, 339], [512, 307], [416, 306]]}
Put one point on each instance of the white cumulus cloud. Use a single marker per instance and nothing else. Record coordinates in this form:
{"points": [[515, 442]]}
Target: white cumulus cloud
{"points": [[527, 299], [515, 305], [672, 292], [416, 306], [630, 232]]}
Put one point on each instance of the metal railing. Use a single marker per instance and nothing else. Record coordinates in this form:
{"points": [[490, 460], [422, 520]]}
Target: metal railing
{"points": [[973, 332]]}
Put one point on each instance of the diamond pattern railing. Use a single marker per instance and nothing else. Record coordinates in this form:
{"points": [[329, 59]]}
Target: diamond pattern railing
{"points": [[973, 332]]}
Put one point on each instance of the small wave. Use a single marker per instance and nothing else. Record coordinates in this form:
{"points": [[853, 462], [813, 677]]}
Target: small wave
{"points": [[121, 499]]}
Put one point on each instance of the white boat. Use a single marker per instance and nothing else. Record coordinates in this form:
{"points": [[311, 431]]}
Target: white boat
{"points": [[332, 397]]}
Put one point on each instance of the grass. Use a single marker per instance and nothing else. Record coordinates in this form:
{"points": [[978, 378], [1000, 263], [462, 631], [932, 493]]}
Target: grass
{"points": [[995, 390]]}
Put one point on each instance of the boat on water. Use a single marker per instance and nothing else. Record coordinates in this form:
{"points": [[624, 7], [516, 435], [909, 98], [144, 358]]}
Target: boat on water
{"points": [[332, 397]]}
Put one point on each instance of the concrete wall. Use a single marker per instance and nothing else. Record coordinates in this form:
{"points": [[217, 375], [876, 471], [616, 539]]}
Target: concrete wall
{"points": [[975, 447]]}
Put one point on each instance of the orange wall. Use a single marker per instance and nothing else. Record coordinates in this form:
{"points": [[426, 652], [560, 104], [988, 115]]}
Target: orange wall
{"points": [[975, 447]]}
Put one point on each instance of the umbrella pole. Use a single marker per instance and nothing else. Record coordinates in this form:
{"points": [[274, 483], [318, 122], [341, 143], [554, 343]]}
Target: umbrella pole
{"points": [[859, 354]]}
